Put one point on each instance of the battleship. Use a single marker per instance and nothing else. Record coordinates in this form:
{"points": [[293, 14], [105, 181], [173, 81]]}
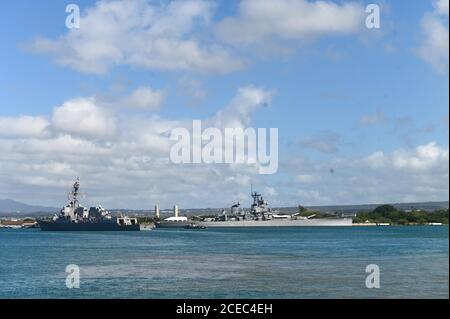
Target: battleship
{"points": [[261, 215], [74, 217]]}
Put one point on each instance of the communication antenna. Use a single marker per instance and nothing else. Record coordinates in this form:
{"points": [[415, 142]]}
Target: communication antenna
{"points": [[75, 193]]}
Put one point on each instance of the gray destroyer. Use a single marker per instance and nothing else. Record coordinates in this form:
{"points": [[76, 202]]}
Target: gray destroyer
{"points": [[74, 217], [261, 215]]}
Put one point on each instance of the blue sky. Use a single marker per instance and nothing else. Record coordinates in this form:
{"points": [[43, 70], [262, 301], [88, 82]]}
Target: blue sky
{"points": [[339, 95]]}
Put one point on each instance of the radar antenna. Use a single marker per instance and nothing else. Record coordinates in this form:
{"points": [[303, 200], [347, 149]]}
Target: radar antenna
{"points": [[73, 195]]}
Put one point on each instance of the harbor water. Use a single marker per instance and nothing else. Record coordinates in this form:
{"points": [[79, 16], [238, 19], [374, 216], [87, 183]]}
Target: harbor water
{"points": [[316, 262]]}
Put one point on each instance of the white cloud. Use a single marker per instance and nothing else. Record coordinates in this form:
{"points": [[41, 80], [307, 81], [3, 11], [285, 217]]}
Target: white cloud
{"points": [[133, 169], [413, 174], [423, 158], [23, 126], [261, 20], [435, 46], [140, 34], [83, 117], [144, 98], [146, 135], [59, 146], [441, 6], [307, 178], [238, 113], [375, 160], [123, 158]]}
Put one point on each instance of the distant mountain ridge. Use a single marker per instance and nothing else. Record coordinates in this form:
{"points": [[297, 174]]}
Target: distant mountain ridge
{"points": [[13, 206]]}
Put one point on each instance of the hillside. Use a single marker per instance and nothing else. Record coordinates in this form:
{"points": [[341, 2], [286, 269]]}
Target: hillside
{"points": [[9, 206]]}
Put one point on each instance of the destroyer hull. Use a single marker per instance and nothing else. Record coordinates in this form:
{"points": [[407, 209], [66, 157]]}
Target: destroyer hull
{"points": [[342, 222], [54, 226]]}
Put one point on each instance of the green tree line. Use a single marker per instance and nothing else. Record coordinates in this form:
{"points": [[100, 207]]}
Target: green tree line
{"points": [[390, 214]]}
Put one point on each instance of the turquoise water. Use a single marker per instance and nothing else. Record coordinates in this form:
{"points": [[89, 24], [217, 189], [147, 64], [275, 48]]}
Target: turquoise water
{"points": [[227, 263]]}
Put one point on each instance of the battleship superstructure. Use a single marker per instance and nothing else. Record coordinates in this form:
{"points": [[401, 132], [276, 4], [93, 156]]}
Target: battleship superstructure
{"points": [[74, 217], [261, 215]]}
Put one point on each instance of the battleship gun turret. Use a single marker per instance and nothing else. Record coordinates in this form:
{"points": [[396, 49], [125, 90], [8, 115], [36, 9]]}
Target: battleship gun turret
{"points": [[262, 215]]}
